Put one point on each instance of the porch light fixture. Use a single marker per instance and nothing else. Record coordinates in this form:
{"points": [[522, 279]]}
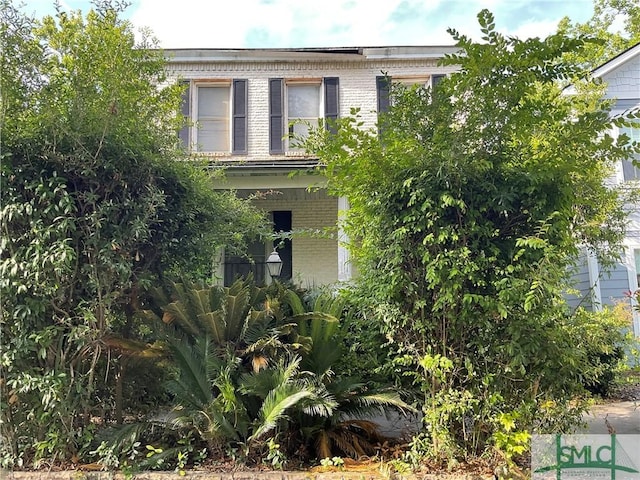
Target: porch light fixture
{"points": [[274, 264]]}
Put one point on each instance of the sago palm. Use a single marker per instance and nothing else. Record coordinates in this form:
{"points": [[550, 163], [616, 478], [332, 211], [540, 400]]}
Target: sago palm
{"points": [[204, 393], [347, 429]]}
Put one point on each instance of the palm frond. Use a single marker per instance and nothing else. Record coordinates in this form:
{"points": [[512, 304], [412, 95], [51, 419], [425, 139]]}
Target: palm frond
{"points": [[275, 407], [387, 399], [353, 438], [320, 404], [122, 437], [198, 368], [257, 295], [179, 312], [323, 445], [257, 325], [193, 384], [264, 381], [313, 323], [364, 405], [293, 300], [214, 324], [236, 311], [199, 300], [330, 303]]}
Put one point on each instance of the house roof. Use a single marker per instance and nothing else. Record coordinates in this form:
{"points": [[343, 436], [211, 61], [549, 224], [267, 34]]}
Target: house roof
{"points": [[617, 61], [192, 55]]}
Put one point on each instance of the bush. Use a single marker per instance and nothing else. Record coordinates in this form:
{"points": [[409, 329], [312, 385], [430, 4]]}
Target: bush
{"points": [[602, 339]]}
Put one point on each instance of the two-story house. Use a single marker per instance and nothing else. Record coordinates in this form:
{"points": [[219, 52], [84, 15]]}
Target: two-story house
{"points": [[599, 287], [243, 104]]}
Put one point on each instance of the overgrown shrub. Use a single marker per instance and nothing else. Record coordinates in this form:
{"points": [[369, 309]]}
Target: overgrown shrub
{"points": [[251, 365], [602, 338], [468, 206], [95, 206]]}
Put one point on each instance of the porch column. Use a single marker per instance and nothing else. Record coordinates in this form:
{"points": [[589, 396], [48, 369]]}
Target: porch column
{"points": [[217, 274], [344, 261]]}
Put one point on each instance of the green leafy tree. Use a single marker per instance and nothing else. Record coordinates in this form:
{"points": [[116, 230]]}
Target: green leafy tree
{"points": [[467, 213], [96, 204], [615, 23]]}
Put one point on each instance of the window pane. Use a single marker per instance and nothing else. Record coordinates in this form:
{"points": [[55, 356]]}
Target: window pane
{"points": [[213, 101], [303, 101], [630, 171], [212, 134], [632, 133], [300, 130]]}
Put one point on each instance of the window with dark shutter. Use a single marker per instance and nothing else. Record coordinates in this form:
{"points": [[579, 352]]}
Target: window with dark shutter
{"points": [[383, 88], [436, 79], [331, 103], [185, 106], [276, 108], [239, 128]]}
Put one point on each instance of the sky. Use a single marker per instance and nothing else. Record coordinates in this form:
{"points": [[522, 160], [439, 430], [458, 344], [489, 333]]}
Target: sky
{"points": [[330, 23]]}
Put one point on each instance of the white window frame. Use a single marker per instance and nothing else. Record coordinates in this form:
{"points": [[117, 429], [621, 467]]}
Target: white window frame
{"points": [[303, 82], [195, 144], [411, 80], [621, 179], [632, 272]]}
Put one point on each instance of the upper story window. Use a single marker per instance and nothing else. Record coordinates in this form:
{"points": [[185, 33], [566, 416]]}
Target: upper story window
{"points": [[303, 109], [629, 170], [383, 86], [217, 111], [212, 118], [297, 105]]}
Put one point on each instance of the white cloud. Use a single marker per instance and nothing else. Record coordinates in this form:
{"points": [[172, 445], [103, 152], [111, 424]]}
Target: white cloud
{"points": [[309, 23], [539, 29], [280, 23]]}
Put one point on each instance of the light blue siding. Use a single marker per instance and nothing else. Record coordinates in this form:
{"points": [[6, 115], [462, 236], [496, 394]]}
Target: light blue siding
{"points": [[613, 284], [580, 282]]}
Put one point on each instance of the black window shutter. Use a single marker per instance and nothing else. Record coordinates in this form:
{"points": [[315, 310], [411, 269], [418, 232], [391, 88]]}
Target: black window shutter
{"points": [[383, 87], [331, 102], [276, 118], [185, 107], [239, 126], [435, 79]]}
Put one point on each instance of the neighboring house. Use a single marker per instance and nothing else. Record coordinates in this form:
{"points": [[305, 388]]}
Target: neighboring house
{"points": [[243, 103], [599, 287]]}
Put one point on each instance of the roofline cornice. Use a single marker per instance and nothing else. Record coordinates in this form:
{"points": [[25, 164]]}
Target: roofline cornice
{"points": [[349, 54]]}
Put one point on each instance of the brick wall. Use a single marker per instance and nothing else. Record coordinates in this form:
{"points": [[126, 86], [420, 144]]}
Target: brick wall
{"points": [[315, 259], [357, 89]]}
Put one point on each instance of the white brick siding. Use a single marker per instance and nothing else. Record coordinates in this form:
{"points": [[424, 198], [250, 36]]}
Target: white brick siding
{"points": [[315, 260], [357, 88]]}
